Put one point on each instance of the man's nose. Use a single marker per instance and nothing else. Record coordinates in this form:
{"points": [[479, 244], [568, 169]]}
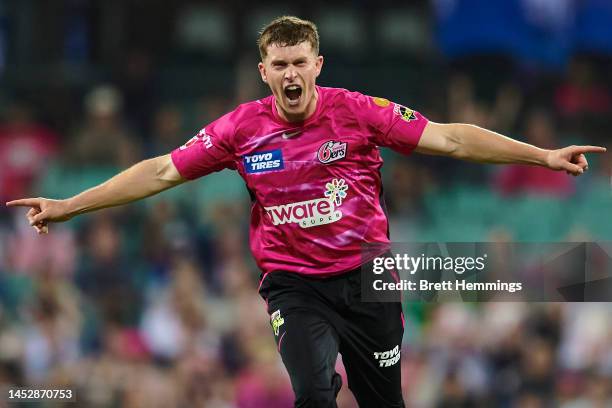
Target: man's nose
{"points": [[290, 73]]}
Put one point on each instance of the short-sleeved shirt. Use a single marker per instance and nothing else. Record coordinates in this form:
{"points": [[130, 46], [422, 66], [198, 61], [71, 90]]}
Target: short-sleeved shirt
{"points": [[315, 185]]}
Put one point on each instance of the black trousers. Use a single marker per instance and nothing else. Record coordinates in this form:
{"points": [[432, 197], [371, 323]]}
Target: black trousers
{"points": [[314, 319]]}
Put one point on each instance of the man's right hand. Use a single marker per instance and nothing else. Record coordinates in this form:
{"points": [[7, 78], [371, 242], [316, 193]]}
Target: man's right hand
{"points": [[42, 211]]}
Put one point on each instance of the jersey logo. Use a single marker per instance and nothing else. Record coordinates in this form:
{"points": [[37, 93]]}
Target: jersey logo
{"points": [[263, 161], [200, 136], [315, 212], [403, 112], [291, 134], [331, 151]]}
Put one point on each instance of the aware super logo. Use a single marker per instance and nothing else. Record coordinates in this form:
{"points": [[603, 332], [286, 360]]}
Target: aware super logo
{"points": [[318, 211]]}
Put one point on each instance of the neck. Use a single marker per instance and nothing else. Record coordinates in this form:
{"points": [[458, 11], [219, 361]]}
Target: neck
{"points": [[299, 117]]}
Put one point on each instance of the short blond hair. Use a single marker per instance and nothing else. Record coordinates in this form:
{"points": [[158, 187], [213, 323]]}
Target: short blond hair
{"points": [[288, 31]]}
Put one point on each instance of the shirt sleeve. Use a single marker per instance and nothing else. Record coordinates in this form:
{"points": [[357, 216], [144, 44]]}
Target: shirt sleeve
{"points": [[393, 125], [209, 151]]}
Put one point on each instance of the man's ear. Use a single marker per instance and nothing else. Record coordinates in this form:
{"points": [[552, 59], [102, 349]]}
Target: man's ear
{"points": [[319, 64], [262, 72]]}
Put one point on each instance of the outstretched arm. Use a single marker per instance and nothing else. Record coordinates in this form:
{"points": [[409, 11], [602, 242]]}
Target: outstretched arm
{"points": [[142, 180], [469, 142]]}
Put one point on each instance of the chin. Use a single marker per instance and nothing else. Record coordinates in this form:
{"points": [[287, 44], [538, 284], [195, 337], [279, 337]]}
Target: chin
{"points": [[295, 109]]}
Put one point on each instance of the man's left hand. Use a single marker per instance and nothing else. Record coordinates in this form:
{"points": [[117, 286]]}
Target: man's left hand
{"points": [[572, 159]]}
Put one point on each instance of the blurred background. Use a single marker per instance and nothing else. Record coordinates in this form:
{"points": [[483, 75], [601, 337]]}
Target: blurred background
{"points": [[155, 304]]}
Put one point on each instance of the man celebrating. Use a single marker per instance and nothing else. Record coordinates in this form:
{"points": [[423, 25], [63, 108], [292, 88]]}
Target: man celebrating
{"points": [[309, 157]]}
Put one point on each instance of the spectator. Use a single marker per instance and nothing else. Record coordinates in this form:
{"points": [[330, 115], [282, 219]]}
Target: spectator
{"points": [[581, 94], [519, 179], [103, 140], [167, 130], [103, 274], [26, 148], [53, 329]]}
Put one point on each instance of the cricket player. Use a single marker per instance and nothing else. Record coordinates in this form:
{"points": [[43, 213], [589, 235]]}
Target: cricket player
{"points": [[309, 156]]}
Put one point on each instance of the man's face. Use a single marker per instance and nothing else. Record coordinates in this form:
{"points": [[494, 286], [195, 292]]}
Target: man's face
{"points": [[291, 73]]}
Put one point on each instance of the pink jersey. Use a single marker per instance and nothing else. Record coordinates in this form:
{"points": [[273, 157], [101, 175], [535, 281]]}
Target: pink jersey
{"points": [[316, 185]]}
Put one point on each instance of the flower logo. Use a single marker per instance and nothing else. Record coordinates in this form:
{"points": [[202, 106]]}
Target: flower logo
{"points": [[336, 191]]}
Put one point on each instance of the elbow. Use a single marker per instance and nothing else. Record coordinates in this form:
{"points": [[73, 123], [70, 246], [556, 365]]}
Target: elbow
{"points": [[166, 172], [454, 141]]}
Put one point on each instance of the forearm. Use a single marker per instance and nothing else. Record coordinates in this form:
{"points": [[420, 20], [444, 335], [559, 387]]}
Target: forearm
{"points": [[469, 142], [142, 180], [473, 143]]}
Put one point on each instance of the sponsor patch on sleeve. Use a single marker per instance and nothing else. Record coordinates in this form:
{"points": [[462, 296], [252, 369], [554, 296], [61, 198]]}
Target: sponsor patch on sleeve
{"points": [[263, 161], [382, 102], [405, 113], [200, 137]]}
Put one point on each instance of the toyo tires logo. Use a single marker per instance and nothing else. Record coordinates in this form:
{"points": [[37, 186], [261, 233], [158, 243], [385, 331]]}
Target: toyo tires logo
{"points": [[315, 212]]}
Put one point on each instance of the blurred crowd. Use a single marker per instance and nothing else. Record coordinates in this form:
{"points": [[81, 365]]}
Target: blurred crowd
{"points": [[155, 304]]}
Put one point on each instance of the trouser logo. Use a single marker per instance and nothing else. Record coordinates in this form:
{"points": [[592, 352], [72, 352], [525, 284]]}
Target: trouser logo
{"points": [[276, 321], [388, 358]]}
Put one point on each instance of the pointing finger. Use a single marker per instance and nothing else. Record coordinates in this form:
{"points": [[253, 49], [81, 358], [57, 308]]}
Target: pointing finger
{"points": [[24, 202], [589, 149]]}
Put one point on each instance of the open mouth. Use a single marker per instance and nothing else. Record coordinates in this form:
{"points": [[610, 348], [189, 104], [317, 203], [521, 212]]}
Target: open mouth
{"points": [[293, 93]]}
